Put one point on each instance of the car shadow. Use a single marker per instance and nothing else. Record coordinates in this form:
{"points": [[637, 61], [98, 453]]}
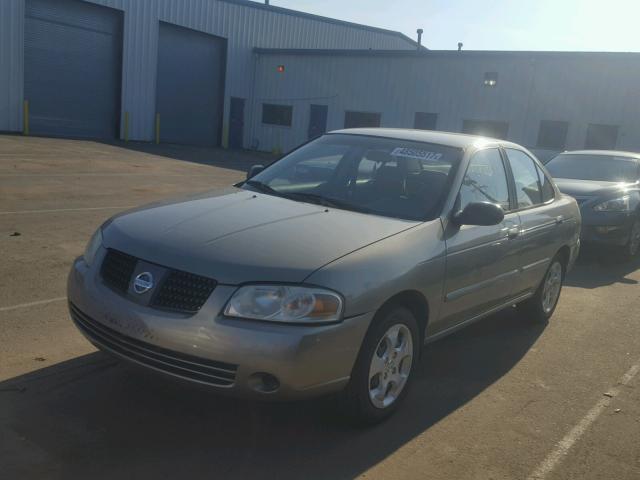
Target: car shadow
{"points": [[239, 160], [93, 417], [597, 268]]}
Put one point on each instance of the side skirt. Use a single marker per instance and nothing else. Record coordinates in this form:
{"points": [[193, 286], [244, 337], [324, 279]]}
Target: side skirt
{"points": [[480, 316]]}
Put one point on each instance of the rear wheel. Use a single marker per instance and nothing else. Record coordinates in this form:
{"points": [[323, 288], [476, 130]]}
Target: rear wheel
{"points": [[384, 368], [541, 306]]}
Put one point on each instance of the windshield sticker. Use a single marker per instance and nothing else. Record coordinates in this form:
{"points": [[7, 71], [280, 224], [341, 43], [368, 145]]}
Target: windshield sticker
{"points": [[415, 153]]}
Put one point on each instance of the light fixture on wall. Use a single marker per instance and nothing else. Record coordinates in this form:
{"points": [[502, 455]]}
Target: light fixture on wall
{"points": [[490, 79]]}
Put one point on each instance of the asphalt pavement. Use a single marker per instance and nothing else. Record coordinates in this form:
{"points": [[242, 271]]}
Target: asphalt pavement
{"points": [[502, 399]]}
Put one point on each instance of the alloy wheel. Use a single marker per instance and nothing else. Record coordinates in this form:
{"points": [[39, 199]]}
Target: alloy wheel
{"points": [[390, 366], [552, 287]]}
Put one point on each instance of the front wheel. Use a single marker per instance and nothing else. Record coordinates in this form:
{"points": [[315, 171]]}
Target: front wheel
{"points": [[633, 245], [541, 306], [384, 367]]}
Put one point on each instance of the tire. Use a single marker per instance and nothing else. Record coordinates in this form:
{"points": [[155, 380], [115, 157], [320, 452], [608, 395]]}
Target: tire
{"points": [[632, 247], [539, 308], [366, 400]]}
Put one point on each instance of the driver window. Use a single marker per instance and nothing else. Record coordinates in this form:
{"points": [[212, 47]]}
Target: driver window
{"points": [[485, 180]]}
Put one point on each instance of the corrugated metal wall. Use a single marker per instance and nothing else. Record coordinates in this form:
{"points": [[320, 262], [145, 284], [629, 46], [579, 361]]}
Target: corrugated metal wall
{"points": [[577, 88], [243, 25]]}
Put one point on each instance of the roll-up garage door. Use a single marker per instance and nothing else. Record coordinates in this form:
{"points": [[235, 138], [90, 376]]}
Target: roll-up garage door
{"points": [[190, 86], [72, 68]]}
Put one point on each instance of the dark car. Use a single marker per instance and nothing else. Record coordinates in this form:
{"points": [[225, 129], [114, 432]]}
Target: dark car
{"points": [[606, 185]]}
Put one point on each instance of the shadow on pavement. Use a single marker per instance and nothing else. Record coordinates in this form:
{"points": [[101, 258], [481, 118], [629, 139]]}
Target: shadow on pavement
{"points": [[600, 268], [239, 160], [92, 417]]}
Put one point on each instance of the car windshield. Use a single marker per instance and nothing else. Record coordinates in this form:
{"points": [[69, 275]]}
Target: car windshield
{"points": [[607, 168], [381, 176]]}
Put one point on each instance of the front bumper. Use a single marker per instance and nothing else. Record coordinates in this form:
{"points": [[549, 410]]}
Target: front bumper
{"points": [[207, 348], [606, 228]]}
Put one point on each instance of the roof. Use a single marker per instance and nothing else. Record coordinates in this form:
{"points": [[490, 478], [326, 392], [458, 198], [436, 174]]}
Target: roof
{"points": [[458, 140], [426, 53], [612, 153], [320, 18]]}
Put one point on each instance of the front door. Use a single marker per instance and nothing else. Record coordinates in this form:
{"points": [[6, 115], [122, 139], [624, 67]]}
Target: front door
{"points": [[481, 260], [317, 120], [236, 122]]}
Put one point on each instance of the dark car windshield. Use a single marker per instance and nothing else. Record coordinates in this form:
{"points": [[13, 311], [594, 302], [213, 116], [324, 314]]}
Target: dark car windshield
{"points": [[606, 168], [382, 176]]}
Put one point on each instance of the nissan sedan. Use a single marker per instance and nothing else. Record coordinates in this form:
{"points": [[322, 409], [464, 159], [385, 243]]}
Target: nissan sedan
{"points": [[329, 270], [606, 185]]}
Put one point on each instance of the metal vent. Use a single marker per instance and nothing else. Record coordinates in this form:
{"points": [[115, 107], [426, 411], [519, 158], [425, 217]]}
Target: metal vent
{"points": [[117, 269], [183, 292]]}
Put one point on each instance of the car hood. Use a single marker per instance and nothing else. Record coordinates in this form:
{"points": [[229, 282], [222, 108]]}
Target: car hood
{"points": [[237, 236], [589, 188]]}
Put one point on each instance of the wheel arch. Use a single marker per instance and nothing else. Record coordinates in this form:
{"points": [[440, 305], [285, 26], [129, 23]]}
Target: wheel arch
{"points": [[565, 257], [416, 302]]}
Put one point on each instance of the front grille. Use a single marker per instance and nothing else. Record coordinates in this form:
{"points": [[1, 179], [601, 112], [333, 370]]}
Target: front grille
{"points": [[183, 292], [190, 367], [117, 268], [179, 291]]}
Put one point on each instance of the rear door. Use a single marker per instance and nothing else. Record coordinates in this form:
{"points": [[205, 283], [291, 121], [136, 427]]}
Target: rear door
{"points": [[481, 261], [537, 242]]}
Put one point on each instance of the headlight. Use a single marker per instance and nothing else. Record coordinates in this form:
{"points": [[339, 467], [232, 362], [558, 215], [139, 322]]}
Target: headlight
{"points": [[620, 204], [92, 247], [284, 303]]}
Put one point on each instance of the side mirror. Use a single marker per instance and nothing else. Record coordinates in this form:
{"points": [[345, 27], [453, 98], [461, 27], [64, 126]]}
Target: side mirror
{"points": [[254, 170], [479, 213]]}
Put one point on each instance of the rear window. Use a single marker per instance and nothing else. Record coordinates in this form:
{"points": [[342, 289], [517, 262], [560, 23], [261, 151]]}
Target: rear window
{"points": [[605, 168]]}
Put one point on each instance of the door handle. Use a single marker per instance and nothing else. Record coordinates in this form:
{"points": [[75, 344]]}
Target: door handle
{"points": [[513, 232], [560, 219]]}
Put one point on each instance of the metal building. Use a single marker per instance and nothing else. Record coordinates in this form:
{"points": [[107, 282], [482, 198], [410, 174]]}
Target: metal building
{"points": [[543, 100], [132, 68]]}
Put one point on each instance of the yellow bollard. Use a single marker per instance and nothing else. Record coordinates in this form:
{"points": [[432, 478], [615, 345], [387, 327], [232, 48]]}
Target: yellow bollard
{"points": [[25, 118], [157, 128], [126, 126]]}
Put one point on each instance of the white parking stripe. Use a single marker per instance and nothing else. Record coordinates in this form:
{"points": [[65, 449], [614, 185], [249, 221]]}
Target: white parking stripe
{"points": [[54, 210], [564, 445], [32, 304]]}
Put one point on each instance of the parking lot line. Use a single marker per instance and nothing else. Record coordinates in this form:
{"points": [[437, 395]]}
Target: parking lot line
{"points": [[564, 445], [31, 304], [54, 210]]}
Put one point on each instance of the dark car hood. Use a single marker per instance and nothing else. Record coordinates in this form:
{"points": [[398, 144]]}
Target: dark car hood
{"points": [[589, 188], [237, 236]]}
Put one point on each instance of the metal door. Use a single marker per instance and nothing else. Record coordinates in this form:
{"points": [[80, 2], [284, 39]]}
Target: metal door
{"points": [[190, 86], [72, 68], [317, 120]]}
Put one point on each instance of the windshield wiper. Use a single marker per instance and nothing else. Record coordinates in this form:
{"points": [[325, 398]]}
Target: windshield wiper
{"points": [[307, 197], [263, 188], [327, 202]]}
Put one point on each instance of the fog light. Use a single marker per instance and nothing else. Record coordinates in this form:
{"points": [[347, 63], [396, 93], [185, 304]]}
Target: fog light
{"points": [[263, 382]]}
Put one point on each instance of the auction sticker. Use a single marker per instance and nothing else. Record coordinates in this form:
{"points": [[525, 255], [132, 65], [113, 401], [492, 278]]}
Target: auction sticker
{"points": [[416, 153]]}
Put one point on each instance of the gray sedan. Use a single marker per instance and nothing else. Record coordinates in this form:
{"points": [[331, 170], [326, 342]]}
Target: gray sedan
{"points": [[329, 270]]}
